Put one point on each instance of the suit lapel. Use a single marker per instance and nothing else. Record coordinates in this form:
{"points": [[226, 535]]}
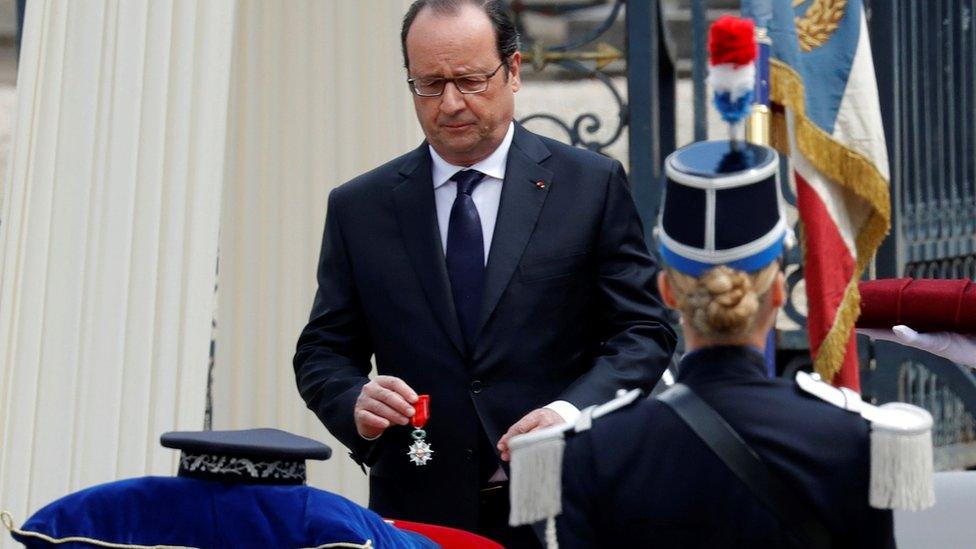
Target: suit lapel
{"points": [[521, 201], [417, 217]]}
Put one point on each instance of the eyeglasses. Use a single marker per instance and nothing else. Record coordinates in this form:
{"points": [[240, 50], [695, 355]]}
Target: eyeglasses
{"points": [[468, 83]]}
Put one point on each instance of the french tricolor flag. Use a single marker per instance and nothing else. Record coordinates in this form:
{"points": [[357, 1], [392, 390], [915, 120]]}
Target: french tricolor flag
{"points": [[826, 84]]}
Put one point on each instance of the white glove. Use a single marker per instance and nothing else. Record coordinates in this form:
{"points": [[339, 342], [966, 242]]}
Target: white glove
{"points": [[959, 348]]}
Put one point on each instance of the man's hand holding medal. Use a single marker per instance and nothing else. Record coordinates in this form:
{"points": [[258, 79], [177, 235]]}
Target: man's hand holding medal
{"points": [[383, 402], [388, 400]]}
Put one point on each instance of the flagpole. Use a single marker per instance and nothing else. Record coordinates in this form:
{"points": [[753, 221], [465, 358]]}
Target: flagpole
{"points": [[757, 130], [757, 124]]}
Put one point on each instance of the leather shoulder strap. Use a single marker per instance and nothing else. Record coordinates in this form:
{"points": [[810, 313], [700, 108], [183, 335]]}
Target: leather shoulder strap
{"points": [[746, 464]]}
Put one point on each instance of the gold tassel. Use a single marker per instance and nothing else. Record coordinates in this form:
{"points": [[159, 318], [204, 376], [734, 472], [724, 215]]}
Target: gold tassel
{"points": [[833, 348], [845, 167]]}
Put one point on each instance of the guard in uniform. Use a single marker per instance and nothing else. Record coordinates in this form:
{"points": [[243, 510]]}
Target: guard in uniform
{"points": [[727, 457], [643, 477]]}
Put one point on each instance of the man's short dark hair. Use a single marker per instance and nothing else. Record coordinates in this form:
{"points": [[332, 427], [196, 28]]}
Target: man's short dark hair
{"points": [[506, 35]]}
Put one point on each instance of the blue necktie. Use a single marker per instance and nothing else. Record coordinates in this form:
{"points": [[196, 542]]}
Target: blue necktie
{"points": [[466, 254]]}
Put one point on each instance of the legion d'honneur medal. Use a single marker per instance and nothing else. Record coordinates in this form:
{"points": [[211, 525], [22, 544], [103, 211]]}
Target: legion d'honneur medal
{"points": [[420, 452]]}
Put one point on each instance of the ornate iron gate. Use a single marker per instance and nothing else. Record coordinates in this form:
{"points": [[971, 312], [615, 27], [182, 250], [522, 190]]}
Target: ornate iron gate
{"points": [[925, 61]]}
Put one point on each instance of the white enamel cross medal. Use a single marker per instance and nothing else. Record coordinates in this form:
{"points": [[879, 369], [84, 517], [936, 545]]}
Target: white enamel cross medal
{"points": [[420, 452]]}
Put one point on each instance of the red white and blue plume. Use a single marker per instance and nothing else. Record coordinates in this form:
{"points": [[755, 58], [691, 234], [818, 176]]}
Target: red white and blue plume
{"points": [[732, 74]]}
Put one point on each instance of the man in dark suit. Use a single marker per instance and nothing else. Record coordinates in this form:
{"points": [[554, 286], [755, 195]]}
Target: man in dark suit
{"points": [[502, 273]]}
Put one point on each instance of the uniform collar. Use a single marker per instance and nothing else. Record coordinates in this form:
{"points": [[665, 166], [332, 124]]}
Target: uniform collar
{"points": [[492, 166], [722, 362]]}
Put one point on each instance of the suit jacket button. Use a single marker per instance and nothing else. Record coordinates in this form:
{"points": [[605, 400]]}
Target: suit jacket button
{"points": [[468, 454], [476, 386]]}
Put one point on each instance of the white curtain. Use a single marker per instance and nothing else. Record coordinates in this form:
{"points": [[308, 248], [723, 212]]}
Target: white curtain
{"points": [[318, 97], [147, 131], [108, 246]]}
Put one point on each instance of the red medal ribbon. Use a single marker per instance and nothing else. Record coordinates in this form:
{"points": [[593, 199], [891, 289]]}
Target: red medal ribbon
{"points": [[421, 412]]}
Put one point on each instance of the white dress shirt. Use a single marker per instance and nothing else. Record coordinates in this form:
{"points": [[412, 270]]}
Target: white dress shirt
{"points": [[486, 195]]}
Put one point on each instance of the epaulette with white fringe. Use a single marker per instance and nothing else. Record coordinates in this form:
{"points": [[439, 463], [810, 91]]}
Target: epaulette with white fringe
{"points": [[537, 466], [901, 446]]}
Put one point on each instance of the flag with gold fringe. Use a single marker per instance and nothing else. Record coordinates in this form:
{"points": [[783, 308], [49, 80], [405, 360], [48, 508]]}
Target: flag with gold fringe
{"points": [[829, 124]]}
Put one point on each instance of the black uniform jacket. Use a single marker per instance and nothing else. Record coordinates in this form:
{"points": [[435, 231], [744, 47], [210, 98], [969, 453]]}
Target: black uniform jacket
{"points": [[641, 478], [569, 313]]}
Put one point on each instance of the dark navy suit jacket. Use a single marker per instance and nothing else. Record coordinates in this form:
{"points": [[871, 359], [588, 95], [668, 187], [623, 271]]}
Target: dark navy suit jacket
{"points": [[641, 478], [569, 313]]}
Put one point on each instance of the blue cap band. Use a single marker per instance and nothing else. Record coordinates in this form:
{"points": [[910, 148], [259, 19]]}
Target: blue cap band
{"points": [[751, 263]]}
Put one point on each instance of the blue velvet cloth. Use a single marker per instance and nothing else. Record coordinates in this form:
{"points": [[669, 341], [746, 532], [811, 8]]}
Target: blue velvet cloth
{"points": [[210, 514]]}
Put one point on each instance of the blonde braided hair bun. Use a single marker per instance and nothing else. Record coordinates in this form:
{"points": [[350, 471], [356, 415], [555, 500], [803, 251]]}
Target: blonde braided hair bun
{"points": [[722, 303]]}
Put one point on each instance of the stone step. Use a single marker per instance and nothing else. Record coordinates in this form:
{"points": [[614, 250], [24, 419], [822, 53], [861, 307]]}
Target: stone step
{"points": [[677, 17]]}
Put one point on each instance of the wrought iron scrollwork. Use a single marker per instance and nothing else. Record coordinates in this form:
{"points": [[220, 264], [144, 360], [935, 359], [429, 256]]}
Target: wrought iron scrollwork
{"points": [[586, 125], [946, 268], [583, 129], [954, 429]]}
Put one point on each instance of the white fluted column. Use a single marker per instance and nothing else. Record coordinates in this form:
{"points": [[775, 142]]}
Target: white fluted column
{"points": [[109, 238], [319, 96]]}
